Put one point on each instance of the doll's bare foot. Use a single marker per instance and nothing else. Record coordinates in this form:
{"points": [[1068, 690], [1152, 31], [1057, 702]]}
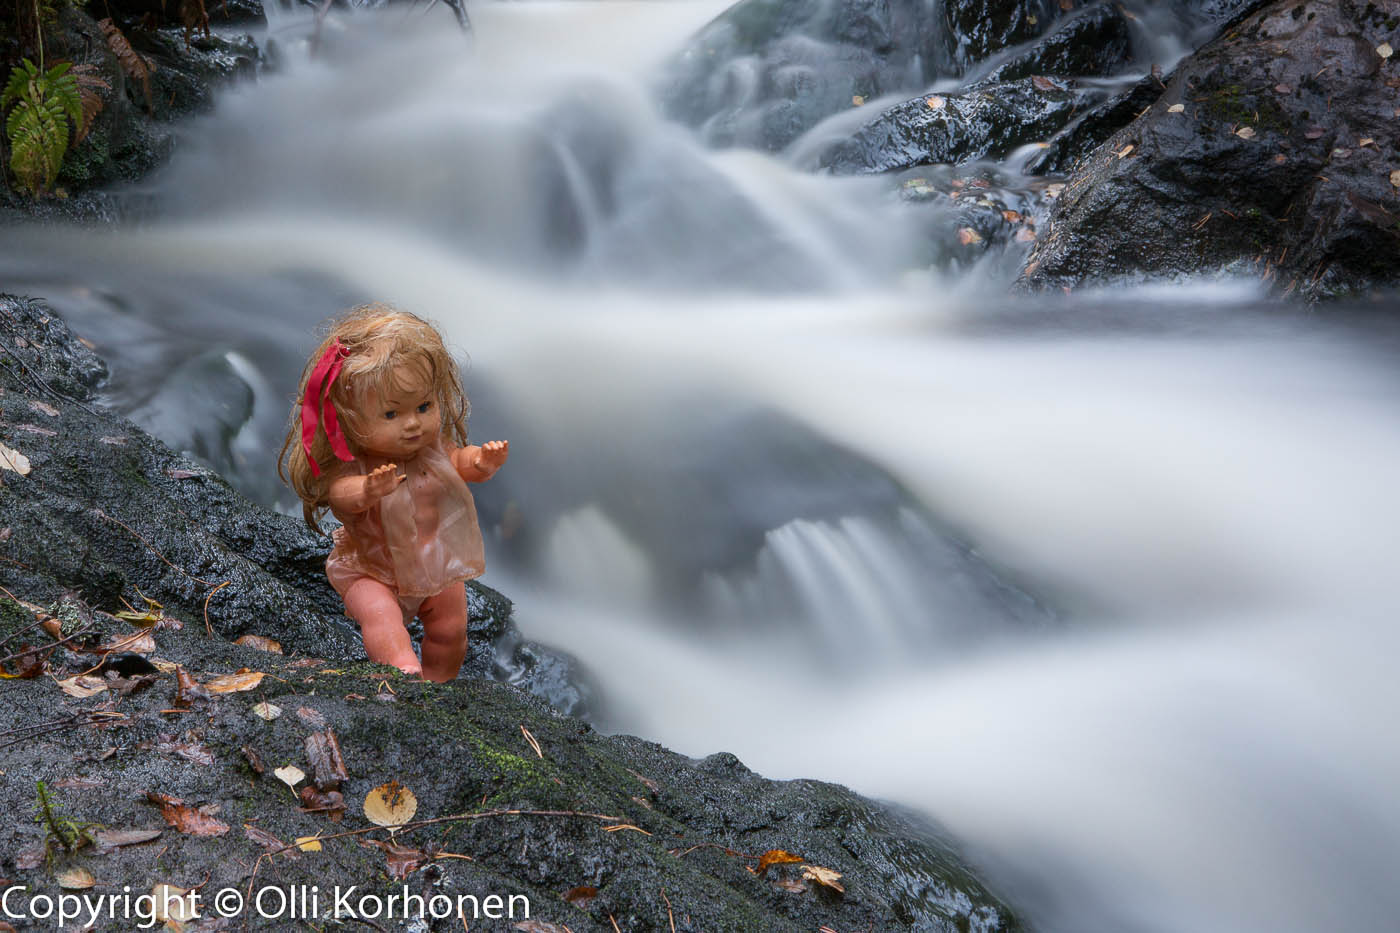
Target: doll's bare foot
{"points": [[376, 608]]}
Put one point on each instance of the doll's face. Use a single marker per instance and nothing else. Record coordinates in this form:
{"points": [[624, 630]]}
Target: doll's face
{"points": [[400, 422]]}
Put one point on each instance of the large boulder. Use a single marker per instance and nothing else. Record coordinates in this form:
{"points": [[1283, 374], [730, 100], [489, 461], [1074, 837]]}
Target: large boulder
{"points": [[109, 512], [1271, 153]]}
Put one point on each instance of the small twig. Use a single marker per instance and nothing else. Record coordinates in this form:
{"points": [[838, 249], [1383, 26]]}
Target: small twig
{"points": [[616, 929], [669, 916]]}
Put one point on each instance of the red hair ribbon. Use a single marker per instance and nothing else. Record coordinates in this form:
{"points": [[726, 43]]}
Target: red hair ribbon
{"points": [[317, 407]]}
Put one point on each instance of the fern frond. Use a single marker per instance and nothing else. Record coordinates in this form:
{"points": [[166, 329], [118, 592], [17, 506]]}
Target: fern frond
{"points": [[63, 90], [38, 141], [20, 77], [131, 61], [90, 86]]}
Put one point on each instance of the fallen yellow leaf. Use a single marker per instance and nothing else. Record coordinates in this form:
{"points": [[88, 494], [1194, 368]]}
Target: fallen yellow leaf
{"points": [[309, 843], [236, 682], [857, 100], [1126, 151], [1245, 132], [290, 775], [1384, 50], [390, 804], [776, 857], [267, 711], [1176, 108]]}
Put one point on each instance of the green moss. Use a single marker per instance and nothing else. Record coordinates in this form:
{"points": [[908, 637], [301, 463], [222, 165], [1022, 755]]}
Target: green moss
{"points": [[86, 163]]}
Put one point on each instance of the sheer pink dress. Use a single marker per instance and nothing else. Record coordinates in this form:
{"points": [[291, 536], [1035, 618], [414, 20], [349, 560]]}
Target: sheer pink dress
{"points": [[413, 555]]}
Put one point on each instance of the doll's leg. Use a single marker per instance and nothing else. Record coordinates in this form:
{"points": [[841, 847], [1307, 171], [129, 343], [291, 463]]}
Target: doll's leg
{"points": [[444, 618], [376, 608]]}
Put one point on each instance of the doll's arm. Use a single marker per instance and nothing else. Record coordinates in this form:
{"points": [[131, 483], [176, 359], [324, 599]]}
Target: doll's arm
{"points": [[352, 494], [478, 464]]}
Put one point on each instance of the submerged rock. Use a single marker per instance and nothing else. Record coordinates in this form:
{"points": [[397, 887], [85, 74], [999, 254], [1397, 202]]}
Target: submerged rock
{"points": [[1270, 153], [977, 29]]}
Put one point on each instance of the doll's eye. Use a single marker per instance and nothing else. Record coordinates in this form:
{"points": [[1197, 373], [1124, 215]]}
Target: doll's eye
{"points": [[423, 408], [390, 415]]}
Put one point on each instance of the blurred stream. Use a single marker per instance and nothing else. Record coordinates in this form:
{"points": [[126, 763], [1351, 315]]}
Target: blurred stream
{"points": [[1101, 583]]}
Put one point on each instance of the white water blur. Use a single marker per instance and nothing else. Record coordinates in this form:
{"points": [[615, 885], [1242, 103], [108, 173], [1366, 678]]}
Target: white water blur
{"points": [[1206, 746]]}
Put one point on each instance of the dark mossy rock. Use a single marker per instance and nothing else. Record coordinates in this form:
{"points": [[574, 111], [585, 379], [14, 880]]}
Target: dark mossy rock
{"points": [[1256, 160], [1093, 40], [111, 513], [187, 75], [990, 121], [661, 839], [768, 70]]}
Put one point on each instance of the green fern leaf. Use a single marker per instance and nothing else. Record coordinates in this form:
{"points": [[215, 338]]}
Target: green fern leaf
{"points": [[63, 88], [19, 80]]}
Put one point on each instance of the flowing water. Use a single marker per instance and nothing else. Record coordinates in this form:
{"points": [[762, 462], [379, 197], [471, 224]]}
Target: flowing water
{"points": [[1103, 584]]}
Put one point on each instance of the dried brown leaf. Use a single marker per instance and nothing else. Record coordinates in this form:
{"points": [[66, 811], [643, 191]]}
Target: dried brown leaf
{"points": [[1315, 132], [187, 689], [136, 67], [403, 860], [186, 819], [534, 743], [259, 643], [936, 103], [267, 840], [1042, 83], [329, 802], [823, 876], [1245, 132], [539, 926], [967, 236], [83, 686], [188, 750], [90, 86], [116, 838], [327, 765], [581, 896]]}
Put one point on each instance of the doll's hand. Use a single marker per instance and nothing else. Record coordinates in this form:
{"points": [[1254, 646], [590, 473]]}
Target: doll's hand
{"points": [[478, 464], [491, 456], [382, 481]]}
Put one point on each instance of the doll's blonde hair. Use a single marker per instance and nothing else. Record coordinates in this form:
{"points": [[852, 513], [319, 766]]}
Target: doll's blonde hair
{"points": [[383, 345]]}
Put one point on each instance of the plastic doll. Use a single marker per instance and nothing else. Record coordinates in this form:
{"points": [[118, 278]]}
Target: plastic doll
{"points": [[378, 437]]}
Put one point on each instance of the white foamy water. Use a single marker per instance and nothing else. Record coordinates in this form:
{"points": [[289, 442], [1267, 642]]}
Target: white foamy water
{"points": [[1113, 603]]}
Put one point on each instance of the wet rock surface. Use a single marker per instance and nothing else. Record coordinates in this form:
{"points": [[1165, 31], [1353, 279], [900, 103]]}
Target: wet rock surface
{"points": [[1270, 154], [986, 122], [108, 511], [149, 741]]}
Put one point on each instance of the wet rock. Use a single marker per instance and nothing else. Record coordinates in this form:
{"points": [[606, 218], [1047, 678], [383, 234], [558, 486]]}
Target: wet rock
{"points": [[188, 75], [684, 833], [107, 511], [1094, 40], [989, 121], [976, 29], [1270, 154], [1091, 128], [768, 70]]}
